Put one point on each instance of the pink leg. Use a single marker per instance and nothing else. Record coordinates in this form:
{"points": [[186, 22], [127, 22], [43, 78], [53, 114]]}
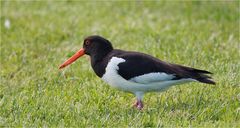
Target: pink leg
{"points": [[138, 104], [135, 104]]}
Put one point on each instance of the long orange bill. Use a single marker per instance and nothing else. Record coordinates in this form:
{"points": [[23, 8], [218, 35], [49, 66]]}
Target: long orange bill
{"points": [[78, 54]]}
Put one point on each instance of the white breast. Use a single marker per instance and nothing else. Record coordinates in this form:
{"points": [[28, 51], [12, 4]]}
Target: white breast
{"points": [[111, 75], [143, 83]]}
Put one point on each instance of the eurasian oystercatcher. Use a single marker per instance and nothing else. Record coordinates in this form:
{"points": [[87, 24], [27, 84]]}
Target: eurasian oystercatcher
{"points": [[135, 72]]}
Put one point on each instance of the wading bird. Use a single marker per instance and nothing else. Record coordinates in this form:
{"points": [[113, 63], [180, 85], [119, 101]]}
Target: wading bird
{"points": [[135, 72]]}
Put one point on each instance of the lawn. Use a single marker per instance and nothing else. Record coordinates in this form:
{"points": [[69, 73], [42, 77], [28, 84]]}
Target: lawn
{"points": [[41, 35]]}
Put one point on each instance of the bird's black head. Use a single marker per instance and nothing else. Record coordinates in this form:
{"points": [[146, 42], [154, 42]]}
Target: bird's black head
{"points": [[97, 45]]}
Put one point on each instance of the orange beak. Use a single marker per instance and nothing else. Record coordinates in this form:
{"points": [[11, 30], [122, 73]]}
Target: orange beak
{"points": [[78, 54]]}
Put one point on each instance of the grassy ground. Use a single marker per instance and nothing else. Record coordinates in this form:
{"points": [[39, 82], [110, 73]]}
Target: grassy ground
{"points": [[33, 92]]}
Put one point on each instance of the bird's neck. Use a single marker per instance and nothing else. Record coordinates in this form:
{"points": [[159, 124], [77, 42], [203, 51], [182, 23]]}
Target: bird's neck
{"points": [[99, 56], [99, 63]]}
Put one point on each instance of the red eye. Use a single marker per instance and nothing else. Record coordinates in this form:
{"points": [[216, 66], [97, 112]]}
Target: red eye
{"points": [[87, 42]]}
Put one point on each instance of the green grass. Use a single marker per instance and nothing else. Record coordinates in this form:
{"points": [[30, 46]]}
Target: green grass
{"points": [[34, 93]]}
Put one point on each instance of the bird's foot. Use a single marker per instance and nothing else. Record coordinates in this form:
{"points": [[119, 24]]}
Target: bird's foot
{"points": [[138, 104]]}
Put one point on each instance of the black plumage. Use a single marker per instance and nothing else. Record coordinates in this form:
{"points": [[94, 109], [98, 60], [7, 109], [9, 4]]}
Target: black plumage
{"points": [[101, 52]]}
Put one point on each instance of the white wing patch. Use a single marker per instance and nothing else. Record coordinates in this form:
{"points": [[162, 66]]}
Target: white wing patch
{"points": [[152, 77]]}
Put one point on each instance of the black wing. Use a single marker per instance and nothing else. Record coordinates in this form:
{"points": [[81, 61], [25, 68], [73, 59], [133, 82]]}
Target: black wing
{"points": [[141, 64]]}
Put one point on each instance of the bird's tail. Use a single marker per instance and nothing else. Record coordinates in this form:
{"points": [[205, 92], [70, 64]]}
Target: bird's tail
{"points": [[206, 80], [201, 76]]}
